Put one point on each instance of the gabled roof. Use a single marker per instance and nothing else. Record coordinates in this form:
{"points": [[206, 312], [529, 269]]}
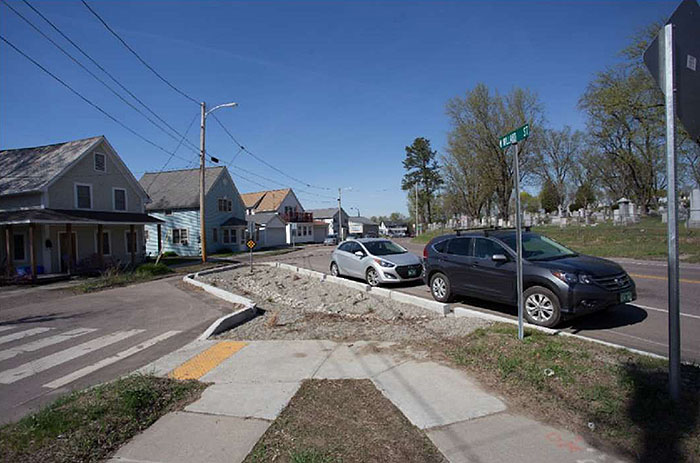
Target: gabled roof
{"points": [[327, 213], [177, 189], [265, 201], [263, 218], [26, 170], [362, 220]]}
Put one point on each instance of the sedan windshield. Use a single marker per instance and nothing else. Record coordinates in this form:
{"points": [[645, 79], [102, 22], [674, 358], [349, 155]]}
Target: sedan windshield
{"points": [[383, 248], [538, 247]]}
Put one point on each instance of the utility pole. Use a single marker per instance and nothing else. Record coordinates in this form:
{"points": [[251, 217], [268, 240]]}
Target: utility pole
{"points": [[340, 219], [416, 188], [202, 154]]}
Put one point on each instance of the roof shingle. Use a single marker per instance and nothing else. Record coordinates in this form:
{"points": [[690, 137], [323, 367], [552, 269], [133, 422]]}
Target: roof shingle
{"points": [[177, 189]]}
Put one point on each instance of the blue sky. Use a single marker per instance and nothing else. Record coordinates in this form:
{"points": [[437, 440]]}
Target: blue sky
{"points": [[329, 92]]}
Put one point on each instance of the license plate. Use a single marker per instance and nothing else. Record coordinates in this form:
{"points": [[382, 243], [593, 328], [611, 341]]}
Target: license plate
{"points": [[412, 272], [626, 296]]}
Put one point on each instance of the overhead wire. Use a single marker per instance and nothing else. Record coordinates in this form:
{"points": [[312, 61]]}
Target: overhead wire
{"points": [[173, 154]]}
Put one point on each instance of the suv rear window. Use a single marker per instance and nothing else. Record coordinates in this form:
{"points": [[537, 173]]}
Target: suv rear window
{"points": [[440, 246], [460, 246]]}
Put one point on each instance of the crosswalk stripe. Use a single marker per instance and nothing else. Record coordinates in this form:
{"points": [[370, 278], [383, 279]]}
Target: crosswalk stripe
{"points": [[7, 327], [41, 343], [50, 361], [108, 361], [22, 334]]}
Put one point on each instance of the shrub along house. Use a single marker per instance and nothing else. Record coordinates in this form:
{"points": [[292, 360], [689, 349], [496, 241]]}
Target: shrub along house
{"points": [[69, 207], [175, 200]]}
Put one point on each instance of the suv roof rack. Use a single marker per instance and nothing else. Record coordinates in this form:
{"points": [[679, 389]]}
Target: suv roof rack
{"points": [[486, 230]]}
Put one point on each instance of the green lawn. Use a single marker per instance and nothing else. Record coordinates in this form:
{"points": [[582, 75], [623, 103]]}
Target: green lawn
{"points": [[644, 240]]}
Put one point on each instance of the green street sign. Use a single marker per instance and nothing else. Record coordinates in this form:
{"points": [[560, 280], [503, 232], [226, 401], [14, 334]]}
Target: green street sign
{"points": [[521, 133]]}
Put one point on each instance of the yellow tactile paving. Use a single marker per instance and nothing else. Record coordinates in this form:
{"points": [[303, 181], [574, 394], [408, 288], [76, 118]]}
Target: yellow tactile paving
{"points": [[202, 363]]}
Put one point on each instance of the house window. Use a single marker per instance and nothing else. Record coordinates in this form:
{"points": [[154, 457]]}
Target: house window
{"points": [[83, 196], [106, 244], [145, 235], [18, 247], [230, 205], [233, 235], [215, 235], [242, 237], [100, 164], [226, 240], [169, 212], [180, 236], [222, 205], [119, 197]]}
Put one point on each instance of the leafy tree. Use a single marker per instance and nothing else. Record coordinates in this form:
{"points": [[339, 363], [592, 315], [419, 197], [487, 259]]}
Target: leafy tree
{"points": [[584, 197], [423, 171], [397, 217], [478, 120], [529, 203], [549, 197]]}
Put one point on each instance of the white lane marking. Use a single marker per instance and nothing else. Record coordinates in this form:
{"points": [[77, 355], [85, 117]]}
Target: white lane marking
{"points": [[108, 361], [665, 344], [22, 334], [7, 327], [50, 361], [665, 311], [41, 343]]}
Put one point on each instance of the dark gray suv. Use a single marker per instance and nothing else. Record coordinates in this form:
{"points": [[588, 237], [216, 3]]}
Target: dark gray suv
{"points": [[557, 281]]}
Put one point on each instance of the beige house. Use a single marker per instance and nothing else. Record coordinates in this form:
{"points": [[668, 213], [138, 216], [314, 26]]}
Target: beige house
{"points": [[68, 208]]}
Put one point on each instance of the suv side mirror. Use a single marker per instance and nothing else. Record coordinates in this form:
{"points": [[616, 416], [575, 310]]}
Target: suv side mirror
{"points": [[499, 258], [360, 254]]}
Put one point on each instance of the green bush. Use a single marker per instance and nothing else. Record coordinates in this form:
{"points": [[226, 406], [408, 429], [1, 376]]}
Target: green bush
{"points": [[169, 254], [154, 269]]}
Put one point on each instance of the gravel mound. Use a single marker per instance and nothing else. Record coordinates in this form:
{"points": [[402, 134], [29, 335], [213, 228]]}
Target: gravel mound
{"points": [[295, 306]]}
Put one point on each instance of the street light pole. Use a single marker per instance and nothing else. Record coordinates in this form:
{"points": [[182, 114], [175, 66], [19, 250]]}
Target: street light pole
{"points": [[340, 219], [202, 165], [202, 162]]}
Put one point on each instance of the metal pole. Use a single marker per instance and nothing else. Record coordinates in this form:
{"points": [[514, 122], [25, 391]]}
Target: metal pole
{"points": [[674, 332], [416, 188], [519, 242], [339, 231], [202, 221]]}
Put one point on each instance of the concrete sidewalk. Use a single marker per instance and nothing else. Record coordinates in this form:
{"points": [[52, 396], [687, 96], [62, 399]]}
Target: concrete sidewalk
{"points": [[253, 385]]}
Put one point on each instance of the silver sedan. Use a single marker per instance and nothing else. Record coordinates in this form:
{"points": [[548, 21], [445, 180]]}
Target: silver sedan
{"points": [[376, 260]]}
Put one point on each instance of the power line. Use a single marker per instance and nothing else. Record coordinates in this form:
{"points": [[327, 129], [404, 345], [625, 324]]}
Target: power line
{"points": [[92, 74], [79, 95], [167, 82], [173, 153], [101, 68]]}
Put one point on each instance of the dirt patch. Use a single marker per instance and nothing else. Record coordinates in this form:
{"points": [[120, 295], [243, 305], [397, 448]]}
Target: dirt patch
{"points": [[300, 307], [342, 421]]}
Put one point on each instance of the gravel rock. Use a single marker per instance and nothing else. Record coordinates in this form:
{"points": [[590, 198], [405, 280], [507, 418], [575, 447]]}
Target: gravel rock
{"points": [[296, 306]]}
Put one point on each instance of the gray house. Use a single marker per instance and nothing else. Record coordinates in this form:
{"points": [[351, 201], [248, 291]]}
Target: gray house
{"points": [[69, 207], [175, 200], [330, 217], [363, 226]]}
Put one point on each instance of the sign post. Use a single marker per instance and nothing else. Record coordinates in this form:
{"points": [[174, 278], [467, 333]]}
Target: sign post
{"points": [[672, 61], [513, 138], [251, 242]]}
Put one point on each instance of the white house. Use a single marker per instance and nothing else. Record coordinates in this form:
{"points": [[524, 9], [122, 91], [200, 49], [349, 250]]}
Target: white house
{"points": [[329, 217]]}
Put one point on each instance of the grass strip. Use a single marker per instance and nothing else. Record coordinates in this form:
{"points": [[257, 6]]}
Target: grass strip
{"points": [[331, 421], [616, 399], [88, 426]]}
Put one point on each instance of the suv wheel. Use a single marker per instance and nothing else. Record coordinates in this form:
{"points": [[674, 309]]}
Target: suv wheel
{"points": [[372, 277], [541, 306], [335, 271], [440, 288]]}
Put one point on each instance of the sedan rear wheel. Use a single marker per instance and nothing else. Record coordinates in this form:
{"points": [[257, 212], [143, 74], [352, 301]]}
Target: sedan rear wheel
{"points": [[542, 306], [372, 277]]}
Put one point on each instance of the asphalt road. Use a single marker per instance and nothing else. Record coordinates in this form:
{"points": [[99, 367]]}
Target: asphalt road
{"points": [[641, 325], [52, 341]]}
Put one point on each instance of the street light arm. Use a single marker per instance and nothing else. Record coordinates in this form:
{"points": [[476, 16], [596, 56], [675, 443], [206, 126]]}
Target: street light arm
{"points": [[225, 105]]}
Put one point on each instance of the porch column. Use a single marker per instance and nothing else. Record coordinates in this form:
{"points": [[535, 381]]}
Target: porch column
{"points": [[160, 240], [69, 245], [133, 244], [8, 250], [32, 256], [100, 247]]}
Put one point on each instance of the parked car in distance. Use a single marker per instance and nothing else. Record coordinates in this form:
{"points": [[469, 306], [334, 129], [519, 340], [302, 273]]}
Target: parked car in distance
{"points": [[331, 240], [377, 260], [557, 282]]}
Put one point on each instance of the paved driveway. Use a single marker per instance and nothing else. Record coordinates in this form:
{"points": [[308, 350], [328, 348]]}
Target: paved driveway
{"points": [[641, 325], [52, 341]]}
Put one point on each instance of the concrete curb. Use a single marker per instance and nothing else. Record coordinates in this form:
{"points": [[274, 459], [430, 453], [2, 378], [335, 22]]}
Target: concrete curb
{"points": [[228, 321]]}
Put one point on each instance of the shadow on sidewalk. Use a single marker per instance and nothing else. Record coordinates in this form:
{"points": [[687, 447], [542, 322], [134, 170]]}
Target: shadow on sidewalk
{"points": [[663, 423]]}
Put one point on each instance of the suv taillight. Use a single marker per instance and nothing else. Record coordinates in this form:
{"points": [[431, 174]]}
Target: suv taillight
{"points": [[425, 252]]}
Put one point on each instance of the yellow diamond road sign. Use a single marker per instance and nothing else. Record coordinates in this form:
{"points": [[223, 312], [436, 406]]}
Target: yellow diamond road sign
{"points": [[251, 244]]}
